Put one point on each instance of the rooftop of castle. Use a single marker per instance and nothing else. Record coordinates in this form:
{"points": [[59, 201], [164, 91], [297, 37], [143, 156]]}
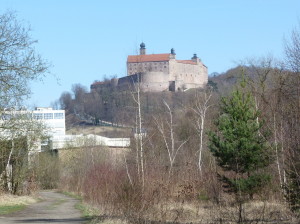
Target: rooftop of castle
{"points": [[155, 58], [148, 58], [143, 57]]}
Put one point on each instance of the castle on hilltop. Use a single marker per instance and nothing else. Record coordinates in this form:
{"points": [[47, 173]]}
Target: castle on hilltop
{"points": [[160, 72]]}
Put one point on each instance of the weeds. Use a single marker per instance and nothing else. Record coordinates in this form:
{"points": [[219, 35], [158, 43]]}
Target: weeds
{"points": [[7, 209]]}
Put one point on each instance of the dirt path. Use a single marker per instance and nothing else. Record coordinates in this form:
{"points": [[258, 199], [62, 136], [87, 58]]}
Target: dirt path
{"points": [[54, 208]]}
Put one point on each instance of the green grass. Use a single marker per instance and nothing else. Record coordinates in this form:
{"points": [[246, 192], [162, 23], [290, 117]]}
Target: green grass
{"points": [[91, 214], [71, 194], [87, 211], [7, 209]]}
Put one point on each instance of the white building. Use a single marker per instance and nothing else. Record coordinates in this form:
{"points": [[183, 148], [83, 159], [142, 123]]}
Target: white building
{"points": [[53, 119], [52, 122], [45, 122]]}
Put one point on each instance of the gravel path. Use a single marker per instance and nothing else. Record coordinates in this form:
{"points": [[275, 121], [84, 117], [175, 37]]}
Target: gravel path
{"points": [[54, 208]]}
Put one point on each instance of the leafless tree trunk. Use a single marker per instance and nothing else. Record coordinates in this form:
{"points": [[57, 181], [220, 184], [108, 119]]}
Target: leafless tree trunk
{"points": [[139, 135], [127, 171], [168, 133], [265, 79], [276, 150], [200, 109]]}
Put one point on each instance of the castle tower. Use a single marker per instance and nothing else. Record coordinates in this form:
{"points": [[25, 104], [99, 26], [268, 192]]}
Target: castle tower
{"points": [[195, 58], [142, 48], [173, 54]]}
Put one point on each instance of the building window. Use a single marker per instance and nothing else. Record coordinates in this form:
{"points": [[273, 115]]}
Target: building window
{"points": [[58, 116], [38, 116], [48, 116]]}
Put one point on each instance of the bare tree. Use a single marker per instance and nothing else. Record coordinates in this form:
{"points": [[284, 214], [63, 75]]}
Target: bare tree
{"points": [[65, 101], [166, 129], [292, 118], [292, 50], [19, 63], [136, 95], [202, 100]]}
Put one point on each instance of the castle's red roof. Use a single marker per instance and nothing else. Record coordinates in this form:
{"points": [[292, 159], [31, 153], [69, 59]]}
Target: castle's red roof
{"points": [[187, 62], [148, 58]]}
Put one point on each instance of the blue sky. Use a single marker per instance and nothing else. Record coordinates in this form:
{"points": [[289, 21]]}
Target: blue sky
{"points": [[86, 40]]}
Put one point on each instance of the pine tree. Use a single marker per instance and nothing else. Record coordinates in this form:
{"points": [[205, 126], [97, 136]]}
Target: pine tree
{"points": [[240, 145]]}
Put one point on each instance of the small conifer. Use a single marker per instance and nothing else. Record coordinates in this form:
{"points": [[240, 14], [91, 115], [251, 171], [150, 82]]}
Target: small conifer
{"points": [[240, 146]]}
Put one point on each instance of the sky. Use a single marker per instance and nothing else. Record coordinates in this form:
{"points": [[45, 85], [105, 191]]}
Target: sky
{"points": [[87, 40]]}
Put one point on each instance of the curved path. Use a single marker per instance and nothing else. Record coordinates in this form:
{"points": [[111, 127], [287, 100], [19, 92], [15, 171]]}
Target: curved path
{"points": [[54, 208]]}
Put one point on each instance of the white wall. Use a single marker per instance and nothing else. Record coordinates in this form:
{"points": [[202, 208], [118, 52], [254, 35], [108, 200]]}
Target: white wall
{"points": [[53, 119], [66, 141]]}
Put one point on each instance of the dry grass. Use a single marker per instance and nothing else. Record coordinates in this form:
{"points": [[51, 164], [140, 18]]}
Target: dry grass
{"points": [[112, 155], [209, 213], [8, 199], [97, 216], [111, 132]]}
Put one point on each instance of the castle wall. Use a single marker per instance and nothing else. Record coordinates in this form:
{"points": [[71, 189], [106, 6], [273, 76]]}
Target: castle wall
{"points": [[188, 74], [155, 82], [153, 66], [149, 81]]}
